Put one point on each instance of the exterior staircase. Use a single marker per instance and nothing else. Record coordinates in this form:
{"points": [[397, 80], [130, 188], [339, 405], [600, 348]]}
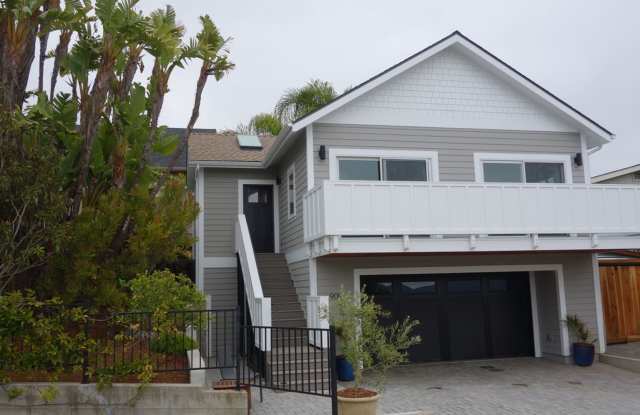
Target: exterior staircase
{"points": [[286, 310], [292, 363]]}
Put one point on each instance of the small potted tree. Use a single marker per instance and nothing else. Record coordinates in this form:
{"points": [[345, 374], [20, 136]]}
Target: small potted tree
{"points": [[368, 346], [583, 349]]}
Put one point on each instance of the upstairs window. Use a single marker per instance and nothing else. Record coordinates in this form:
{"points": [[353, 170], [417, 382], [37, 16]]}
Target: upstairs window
{"points": [[383, 165], [291, 191], [529, 169]]}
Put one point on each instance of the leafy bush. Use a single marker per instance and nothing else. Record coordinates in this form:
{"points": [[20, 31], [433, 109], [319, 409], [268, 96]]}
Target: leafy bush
{"points": [[366, 344], [35, 335], [172, 343], [164, 291]]}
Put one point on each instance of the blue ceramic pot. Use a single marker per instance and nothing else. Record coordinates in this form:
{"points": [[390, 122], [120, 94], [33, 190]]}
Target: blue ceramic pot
{"points": [[344, 369], [583, 354]]}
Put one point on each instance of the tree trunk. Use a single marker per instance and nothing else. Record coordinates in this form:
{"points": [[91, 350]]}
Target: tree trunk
{"points": [[91, 110], [195, 114], [44, 40], [17, 44], [60, 53], [127, 225]]}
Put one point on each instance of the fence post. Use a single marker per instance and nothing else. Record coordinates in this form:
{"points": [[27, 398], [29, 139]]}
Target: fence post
{"points": [[239, 342], [85, 353], [333, 384]]}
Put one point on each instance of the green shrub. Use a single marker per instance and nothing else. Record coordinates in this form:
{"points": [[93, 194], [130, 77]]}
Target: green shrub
{"points": [[164, 291], [367, 344], [172, 343]]}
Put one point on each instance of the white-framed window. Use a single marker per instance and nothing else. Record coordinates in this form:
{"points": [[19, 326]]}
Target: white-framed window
{"points": [[383, 165], [291, 191], [522, 168]]}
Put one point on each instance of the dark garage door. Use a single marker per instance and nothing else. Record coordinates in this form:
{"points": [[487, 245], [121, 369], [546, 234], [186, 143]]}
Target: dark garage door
{"points": [[462, 316]]}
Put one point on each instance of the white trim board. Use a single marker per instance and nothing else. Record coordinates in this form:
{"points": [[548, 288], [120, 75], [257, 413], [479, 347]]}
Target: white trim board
{"points": [[291, 191], [479, 158], [597, 291], [200, 173], [556, 268], [276, 210], [310, 158], [430, 156]]}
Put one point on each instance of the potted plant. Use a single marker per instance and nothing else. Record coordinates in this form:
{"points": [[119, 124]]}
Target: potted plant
{"points": [[368, 346], [583, 349]]}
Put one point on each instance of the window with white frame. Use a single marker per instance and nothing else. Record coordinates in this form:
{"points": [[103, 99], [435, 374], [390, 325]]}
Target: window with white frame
{"points": [[522, 168], [383, 165], [291, 191]]}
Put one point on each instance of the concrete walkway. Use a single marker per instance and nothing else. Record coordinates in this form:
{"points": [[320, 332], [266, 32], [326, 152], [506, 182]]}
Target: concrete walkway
{"points": [[510, 386]]}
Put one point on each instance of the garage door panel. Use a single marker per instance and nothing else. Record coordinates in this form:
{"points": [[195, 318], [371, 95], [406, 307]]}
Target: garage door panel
{"points": [[462, 316], [426, 312], [465, 321]]}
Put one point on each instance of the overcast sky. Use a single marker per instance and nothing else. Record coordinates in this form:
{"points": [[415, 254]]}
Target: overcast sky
{"points": [[587, 52]]}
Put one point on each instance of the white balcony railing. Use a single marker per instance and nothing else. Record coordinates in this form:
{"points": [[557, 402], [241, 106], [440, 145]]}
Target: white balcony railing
{"points": [[343, 208], [259, 305]]}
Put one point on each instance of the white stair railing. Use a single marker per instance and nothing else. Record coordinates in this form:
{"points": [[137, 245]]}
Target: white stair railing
{"points": [[317, 318], [259, 305]]}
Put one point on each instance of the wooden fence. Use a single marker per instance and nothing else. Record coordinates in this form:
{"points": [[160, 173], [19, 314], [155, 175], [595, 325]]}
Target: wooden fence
{"points": [[620, 285]]}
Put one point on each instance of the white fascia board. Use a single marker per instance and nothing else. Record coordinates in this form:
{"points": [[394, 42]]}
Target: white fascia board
{"points": [[537, 91], [362, 245], [528, 85], [373, 83], [593, 130], [616, 173], [227, 164]]}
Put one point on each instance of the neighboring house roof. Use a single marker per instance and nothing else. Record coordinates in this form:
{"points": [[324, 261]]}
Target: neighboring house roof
{"points": [[615, 173], [224, 150], [162, 161], [596, 134]]}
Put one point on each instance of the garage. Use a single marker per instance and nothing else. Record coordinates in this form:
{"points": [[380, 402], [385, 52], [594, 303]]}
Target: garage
{"points": [[462, 316]]}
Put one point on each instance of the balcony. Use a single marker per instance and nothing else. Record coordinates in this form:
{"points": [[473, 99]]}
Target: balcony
{"points": [[360, 217]]}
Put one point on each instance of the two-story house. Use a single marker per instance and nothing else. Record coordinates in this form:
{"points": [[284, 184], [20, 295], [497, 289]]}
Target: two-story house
{"points": [[451, 186]]}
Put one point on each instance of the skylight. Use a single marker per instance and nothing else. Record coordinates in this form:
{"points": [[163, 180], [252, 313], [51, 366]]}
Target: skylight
{"points": [[249, 141]]}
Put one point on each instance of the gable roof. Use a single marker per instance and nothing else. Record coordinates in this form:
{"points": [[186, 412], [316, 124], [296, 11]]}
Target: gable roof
{"points": [[224, 150], [597, 133], [615, 173]]}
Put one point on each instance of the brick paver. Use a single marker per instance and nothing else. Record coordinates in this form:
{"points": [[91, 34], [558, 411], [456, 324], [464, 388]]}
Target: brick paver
{"points": [[510, 386]]}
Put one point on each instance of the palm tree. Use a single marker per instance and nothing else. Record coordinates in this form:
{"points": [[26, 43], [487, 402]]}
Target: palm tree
{"points": [[297, 102], [263, 123], [211, 48]]}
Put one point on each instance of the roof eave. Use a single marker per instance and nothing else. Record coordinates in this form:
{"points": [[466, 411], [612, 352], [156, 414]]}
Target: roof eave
{"points": [[593, 129]]}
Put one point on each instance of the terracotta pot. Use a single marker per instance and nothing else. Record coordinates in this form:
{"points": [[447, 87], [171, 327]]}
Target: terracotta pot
{"points": [[358, 406]]}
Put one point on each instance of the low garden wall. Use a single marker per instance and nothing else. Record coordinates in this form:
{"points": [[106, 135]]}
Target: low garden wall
{"points": [[124, 399]]}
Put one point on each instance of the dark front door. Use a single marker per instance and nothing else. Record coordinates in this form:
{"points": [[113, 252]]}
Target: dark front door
{"points": [[466, 316], [258, 209]]}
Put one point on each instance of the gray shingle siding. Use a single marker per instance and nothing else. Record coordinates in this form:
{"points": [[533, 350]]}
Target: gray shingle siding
{"points": [[291, 233], [221, 207], [222, 285], [300, 276], [455, 147]]}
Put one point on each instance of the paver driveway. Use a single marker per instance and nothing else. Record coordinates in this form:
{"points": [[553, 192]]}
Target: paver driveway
{"points": [[510, 386]]}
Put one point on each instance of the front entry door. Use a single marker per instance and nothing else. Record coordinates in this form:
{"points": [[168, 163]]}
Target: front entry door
{"points": [[258, 209]]}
